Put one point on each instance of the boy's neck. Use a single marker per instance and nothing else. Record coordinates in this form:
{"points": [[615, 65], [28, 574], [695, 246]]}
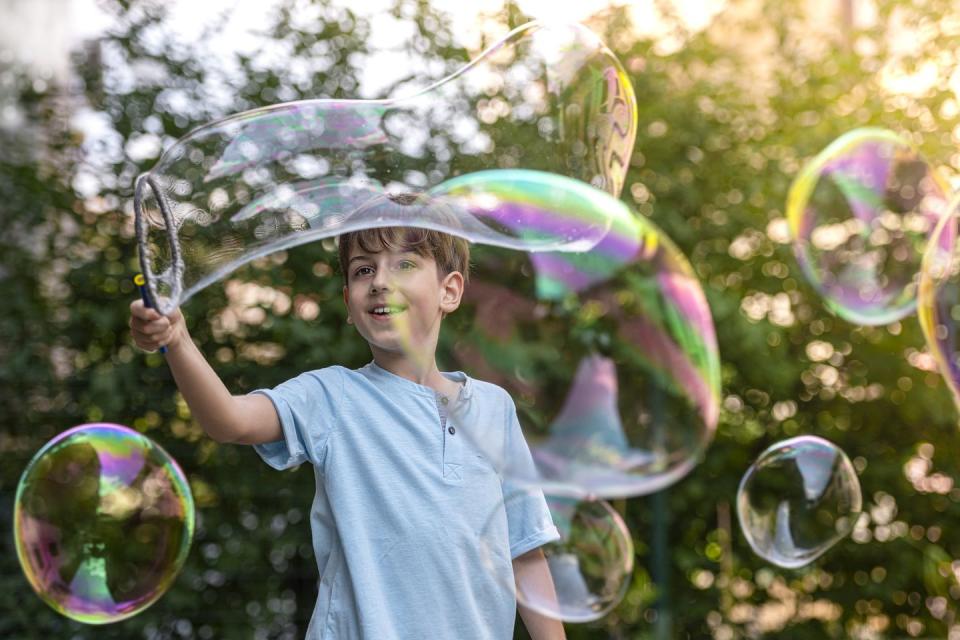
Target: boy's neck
{"points": [[423, 372]]}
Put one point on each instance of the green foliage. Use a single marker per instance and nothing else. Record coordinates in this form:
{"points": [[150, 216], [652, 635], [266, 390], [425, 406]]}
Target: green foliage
{"points": [[727, 117]]}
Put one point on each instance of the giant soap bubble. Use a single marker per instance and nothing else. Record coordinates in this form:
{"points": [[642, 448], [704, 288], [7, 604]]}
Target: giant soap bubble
{"points": [[939, 298], [548, 98], [610, 356], [860, 214], [590, 566], [103, 522], [797, 500]]}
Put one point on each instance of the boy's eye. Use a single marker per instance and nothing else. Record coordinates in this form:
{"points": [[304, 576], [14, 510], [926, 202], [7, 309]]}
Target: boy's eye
{"points": [[408, 264], [362, 271]]}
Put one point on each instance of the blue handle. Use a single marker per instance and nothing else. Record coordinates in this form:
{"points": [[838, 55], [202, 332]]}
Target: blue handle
{"points": [[141, 283]]}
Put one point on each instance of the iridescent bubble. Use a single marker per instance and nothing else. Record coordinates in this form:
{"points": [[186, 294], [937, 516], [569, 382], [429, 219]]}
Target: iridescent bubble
{"points": [[938, 302], [103, 522], [861, 213], [797, 500], [590, 566], [548, 98], [609, 355]]}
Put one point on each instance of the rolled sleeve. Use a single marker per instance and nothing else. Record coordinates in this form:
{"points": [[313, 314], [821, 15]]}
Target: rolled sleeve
{"points": [[305, 406], [291, 450], [533, 541]]}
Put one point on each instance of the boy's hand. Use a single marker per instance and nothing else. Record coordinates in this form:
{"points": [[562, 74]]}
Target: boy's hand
{"points": [[150, 330]]}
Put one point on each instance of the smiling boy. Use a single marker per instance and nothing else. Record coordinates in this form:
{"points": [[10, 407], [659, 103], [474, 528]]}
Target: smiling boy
{"points": [[410, 529]]}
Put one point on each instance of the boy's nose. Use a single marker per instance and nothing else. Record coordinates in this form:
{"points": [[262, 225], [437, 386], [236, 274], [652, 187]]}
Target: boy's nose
{"points": [[379, 284]]}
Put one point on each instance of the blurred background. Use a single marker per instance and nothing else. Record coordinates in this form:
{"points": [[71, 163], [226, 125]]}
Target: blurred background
{"points": [[734, 96]]}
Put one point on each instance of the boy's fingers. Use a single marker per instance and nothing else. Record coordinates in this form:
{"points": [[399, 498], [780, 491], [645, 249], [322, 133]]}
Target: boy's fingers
{"points": [[156, 327], [151, 342], [149, 327], [140, 310], [140, 331], [151, 331], [144, 342]]}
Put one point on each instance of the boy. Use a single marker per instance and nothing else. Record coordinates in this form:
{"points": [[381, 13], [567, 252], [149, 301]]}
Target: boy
{"points": [[402, 497]]}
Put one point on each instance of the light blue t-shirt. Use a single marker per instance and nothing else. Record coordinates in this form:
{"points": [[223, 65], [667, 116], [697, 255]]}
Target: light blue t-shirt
{"points": [[402, 499]]}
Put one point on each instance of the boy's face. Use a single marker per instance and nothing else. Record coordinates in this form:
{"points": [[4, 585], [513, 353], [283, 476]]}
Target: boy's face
{"points": [[397, 299]]}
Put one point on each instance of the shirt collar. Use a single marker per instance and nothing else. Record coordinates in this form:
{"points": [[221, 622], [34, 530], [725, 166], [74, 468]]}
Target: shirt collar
{"points": [[373, 370]]}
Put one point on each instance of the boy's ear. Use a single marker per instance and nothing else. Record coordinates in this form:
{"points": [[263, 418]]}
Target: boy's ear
{"points": [[345, 298], [451, 292]]}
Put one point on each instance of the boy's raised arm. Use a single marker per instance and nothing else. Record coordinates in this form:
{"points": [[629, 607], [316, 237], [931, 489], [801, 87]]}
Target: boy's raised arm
{"points": [[246, 419]]}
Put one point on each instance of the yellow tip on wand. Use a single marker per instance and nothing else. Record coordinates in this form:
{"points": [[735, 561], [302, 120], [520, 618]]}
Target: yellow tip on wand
{"points": [[141, 283]]}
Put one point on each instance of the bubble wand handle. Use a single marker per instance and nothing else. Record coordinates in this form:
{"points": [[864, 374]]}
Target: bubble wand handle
{"points": [[142, 287]]}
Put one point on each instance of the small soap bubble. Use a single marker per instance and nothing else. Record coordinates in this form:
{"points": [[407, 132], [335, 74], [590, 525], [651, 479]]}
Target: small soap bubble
{"points": [[797, 500], [103, 522], [590, 565], [861, 213]]}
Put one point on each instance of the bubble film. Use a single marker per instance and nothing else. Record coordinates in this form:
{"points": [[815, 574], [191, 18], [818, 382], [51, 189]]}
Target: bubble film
{"points": [[103, 522], [590, 566], [797, 500], [938, 301], [861, 213], [548, 98], [609, 355]]}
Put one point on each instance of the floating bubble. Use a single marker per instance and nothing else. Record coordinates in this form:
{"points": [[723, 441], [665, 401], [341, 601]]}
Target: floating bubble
{"points": [[861, 213], [103, 522], [590, 565], [938, 301], [549, 98], [797, 500], [610, 356]]}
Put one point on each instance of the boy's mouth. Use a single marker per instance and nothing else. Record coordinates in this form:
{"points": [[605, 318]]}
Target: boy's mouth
{"points": [[386, 310]]}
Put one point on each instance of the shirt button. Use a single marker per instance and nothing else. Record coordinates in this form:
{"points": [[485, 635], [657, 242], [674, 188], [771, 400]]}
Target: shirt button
{"points": [[451, 430], [444, 400]]}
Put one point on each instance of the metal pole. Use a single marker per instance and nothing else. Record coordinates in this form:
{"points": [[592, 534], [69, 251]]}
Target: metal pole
{"points": [[663, 627]]}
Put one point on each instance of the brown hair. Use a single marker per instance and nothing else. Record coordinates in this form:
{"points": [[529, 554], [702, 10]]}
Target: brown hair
{"points": [[451, 253]]}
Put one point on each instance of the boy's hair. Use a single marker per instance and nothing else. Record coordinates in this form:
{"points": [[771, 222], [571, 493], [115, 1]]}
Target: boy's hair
{"points": [[451, 253]]}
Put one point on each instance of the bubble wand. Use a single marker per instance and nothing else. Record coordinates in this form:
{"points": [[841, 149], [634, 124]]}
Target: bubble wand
{"points": [[141, 283]]}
